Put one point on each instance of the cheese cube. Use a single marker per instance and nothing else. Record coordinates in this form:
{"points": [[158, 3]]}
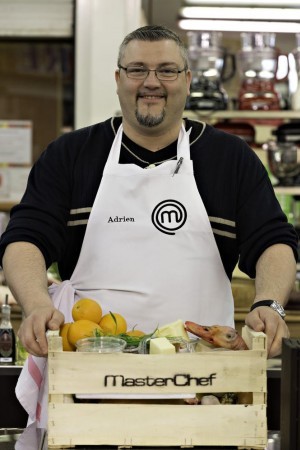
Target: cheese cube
{"points": [[161, 346], [174, 329]]}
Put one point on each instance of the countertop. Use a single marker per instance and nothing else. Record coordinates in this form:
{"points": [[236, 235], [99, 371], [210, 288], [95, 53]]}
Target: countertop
{"points": [[33, 438]]}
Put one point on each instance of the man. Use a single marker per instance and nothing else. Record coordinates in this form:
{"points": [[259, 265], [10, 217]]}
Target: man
{"points": [[149, 213]]}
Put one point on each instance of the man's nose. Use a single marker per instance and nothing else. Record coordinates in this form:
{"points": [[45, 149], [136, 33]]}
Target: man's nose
{"points": [[151, 79]]}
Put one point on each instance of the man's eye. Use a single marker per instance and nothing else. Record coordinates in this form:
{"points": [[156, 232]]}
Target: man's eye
{"points": [[138, 70], [167, 71]]}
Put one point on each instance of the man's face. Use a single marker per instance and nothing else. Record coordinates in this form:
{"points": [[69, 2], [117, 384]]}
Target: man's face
{"points": [[152, 103]]}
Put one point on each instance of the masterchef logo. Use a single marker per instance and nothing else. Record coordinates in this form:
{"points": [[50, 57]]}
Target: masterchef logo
{"points": [[169, 216], [181, 379]]}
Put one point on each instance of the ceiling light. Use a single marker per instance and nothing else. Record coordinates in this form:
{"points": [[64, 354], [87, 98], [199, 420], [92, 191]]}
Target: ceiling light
{"points": [[239, 26], [247, 3], [280, 14]]}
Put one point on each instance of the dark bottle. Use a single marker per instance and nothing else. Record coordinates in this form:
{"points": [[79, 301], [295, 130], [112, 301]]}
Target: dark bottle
{"points": [[7, 336]]}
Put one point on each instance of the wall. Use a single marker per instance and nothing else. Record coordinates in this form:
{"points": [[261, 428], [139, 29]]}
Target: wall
{"points": [[100, 28]]}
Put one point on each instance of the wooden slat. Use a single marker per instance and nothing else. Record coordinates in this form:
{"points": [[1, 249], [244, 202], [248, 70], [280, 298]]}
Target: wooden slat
{"points": [[163, 425], [259, 398], [255, 340], [224, 371]]}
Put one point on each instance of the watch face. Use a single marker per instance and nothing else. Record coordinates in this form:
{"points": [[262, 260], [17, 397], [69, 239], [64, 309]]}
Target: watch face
{"points": [[277, 307]]}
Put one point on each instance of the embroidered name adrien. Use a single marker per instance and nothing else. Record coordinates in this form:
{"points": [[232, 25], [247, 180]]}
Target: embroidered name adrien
{"points": [[121, 219]]}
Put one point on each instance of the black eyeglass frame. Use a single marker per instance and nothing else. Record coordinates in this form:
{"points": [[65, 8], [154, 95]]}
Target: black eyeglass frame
{"points": [[177, 72]]}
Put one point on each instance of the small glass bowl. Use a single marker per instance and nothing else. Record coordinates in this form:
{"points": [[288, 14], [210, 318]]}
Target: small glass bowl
{"points": [[103, 344]]}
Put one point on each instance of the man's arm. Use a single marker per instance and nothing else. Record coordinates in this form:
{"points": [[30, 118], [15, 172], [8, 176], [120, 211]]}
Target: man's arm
{"points": [[26, 275], [275, 278]]}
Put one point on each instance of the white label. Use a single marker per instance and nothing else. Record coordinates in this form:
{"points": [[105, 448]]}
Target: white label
{"points": [[15, 141], [6, 360]]}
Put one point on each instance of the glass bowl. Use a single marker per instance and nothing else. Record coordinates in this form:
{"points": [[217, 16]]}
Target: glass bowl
{"points": [[103, 344]]}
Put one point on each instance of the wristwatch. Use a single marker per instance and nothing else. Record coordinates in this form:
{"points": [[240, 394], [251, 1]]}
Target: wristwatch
{"points": [[272, 304]]}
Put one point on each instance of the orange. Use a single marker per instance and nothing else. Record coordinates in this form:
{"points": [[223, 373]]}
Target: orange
{"points": [[113, 323], [134, 332], [67, 347], [83, 328], [86, 308]]}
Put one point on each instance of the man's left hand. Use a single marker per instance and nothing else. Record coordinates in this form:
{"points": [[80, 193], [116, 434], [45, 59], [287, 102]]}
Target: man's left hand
{"points": [[265, 319]]}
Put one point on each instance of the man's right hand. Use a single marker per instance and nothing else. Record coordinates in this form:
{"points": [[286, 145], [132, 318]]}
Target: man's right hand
{"points": [[26, 275], [32, 331]]}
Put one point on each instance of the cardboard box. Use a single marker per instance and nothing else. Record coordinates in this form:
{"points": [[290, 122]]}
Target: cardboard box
{"points": [[152, 422]]}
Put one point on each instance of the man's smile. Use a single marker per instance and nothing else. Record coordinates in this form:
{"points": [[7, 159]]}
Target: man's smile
{"points": [[150, 97]]}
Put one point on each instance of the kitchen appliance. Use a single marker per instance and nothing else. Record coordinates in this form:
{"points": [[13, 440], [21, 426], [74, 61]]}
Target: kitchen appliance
{"points": [[211, 65], [257, 64], [288, 132], [284, 161], [244, 130]]}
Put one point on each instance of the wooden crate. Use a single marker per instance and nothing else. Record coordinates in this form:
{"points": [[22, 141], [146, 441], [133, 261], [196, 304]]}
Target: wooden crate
{"points": [[127, 423]]}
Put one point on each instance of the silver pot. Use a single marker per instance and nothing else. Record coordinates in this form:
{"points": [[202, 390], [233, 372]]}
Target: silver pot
{"points": [[283, 161]]}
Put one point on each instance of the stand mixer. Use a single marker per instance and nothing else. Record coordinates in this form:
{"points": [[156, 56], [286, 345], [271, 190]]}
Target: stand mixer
{"points": [[257, 64], [283, 161], [208, 61]]}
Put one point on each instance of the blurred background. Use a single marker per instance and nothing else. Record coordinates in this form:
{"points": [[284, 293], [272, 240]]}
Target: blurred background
{"points": [[57, 63]]}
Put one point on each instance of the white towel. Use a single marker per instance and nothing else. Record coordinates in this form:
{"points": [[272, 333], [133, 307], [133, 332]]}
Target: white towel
{"points": [[30, 439], [32, 386]]}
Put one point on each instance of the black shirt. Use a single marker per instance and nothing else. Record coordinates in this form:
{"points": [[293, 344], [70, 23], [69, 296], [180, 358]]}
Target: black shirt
{"points": [[244, 213]]}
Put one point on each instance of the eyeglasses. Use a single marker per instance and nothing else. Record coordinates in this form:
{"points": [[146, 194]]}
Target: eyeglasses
{"points": [[141, 73]]}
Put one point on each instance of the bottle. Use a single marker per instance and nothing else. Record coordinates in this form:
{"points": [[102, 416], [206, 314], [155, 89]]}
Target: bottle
{"points": [[7, 336]]}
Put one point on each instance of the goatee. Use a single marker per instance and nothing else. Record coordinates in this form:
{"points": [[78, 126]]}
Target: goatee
{"points": [[149, 120]]}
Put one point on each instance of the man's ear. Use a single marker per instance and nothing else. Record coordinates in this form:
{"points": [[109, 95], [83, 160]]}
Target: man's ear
{"points": [[188, 76]]}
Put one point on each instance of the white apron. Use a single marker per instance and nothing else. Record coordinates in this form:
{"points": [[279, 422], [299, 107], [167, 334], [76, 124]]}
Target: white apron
{"points": [[149, 252]]}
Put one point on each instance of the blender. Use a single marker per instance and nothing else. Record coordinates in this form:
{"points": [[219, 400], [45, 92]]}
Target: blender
{"points": [[257, 65], [208, 62]]}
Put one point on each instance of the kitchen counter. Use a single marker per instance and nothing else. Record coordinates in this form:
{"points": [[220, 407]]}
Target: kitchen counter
{"points": [[36, 439]]}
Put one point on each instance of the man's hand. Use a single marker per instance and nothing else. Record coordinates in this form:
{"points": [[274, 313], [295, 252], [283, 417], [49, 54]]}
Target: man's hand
{"points": [[26, 275], [265, 319], [32, 331]]}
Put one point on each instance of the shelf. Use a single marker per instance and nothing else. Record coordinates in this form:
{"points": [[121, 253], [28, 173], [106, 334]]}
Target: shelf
{"points": [[287, 190], [230, 114], [12, 370]]}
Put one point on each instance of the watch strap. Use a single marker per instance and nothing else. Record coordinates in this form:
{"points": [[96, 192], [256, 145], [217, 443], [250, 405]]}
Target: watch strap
{"points": [[261, 303], [272, 304]]}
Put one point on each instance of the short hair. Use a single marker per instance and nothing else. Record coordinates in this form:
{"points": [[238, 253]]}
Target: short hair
{"points": [[153, 33]]}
